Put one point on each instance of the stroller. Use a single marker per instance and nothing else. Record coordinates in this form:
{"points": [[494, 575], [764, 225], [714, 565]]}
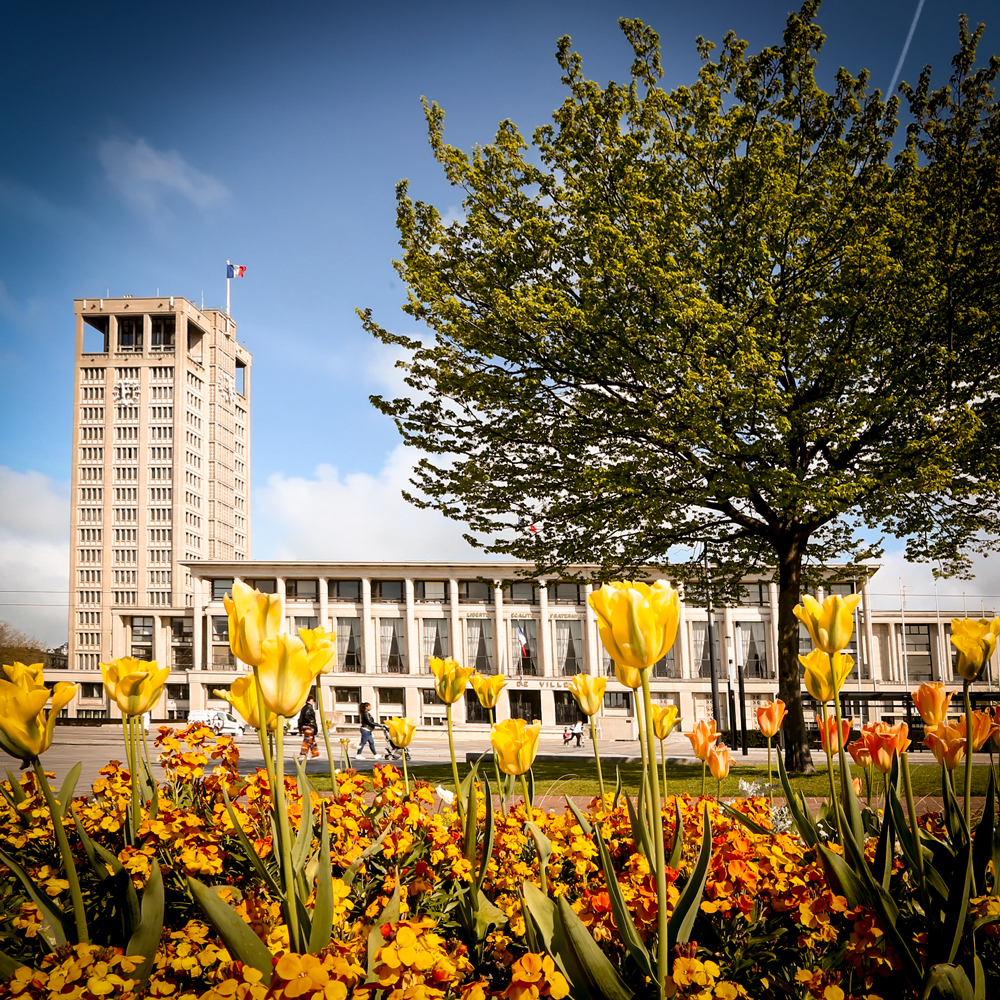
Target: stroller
{"points": [[390, 751]]}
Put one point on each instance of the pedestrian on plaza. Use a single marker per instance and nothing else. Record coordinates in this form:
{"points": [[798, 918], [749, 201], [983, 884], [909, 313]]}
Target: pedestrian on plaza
{"points": [[577, 731], [307, 729], [367, 725]]}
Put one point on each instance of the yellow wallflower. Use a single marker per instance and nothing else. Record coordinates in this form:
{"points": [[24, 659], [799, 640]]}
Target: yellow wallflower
{"points": [[588, 692], [515, 744], [488, 688], [25, 729], [136, 685], [449, 678], [637, 622], [825, 674], [831, 623], [253, 618]]}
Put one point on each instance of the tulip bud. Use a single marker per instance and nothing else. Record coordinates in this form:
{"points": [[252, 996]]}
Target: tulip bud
{"points": [[637, 622], [488, 688], [703, 738], [975, 642], [135, 685], [253, 618], [515, 745], [449, 678], [665, 717], [932, 702], [26, 730], [401, 730], [770, 716], [286, 674], [719, 761], [831, 623], [588, 692]]}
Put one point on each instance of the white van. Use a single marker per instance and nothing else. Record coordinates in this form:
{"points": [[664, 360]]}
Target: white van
{"points": [[220, 722]]}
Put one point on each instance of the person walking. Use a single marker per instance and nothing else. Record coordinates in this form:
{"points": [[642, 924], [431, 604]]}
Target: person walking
{"points": [[307, 729], [367, 725], [577, 731]]}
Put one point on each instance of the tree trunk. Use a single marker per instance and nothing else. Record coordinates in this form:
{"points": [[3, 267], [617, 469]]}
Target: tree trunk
{"points": [[797, 756]]}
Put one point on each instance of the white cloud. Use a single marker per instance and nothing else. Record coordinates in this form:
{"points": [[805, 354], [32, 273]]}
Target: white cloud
{"points": [[34, 554], [144, 174], [356, 516]]}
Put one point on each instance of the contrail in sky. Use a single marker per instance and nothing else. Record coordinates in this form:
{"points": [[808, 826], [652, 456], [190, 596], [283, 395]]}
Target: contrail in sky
{"points": [[906, 48]]}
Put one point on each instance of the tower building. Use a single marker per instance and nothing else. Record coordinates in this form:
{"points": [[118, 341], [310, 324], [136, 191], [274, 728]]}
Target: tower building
{"points": [[161, 471]]}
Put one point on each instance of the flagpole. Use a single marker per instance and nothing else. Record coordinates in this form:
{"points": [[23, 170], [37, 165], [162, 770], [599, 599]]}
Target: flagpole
{"points": [[229, 282]]}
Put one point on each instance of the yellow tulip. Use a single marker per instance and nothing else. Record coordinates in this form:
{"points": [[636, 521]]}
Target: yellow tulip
{"points": [[975, 642], [25, 729], [450, 679], [24, 674], [637, 622], [321, 647], [488, 688], [631, 677], [242, 695], [831, 623], [825, 674], [253, 618], [665, 717], [286, 672], [401, 730], [515, 744], [588, 692], [136, 685]]}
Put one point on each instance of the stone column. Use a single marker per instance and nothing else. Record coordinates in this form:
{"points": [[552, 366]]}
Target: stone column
{"points": [[412, 639], [198, 634], [158, 645], [455, 650], [324, 604], [772, 628], [682, 649], [369, 651], [501, 647], [591, 635], [544, 637], [869, 633], [279, 586]]}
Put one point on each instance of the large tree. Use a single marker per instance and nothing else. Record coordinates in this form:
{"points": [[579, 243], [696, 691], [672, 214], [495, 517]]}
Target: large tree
{"points": [[730, 313]]}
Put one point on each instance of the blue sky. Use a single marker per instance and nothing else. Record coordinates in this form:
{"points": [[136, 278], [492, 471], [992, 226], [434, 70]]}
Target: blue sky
{"points": [[148, 143]]}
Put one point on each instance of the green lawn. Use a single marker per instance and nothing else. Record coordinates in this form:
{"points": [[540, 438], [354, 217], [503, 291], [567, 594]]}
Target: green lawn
{"points": [[581, 778]]}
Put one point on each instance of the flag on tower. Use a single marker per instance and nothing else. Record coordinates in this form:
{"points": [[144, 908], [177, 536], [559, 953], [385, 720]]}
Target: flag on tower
{"points": [[235, 270]]}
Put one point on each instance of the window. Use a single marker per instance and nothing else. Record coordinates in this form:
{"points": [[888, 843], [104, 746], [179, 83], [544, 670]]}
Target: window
{"points": [[567, 710], [130, 333], [618, 702], [349, 644], [843, 589], [391, 702], [702, 653], [666, 666], [347, 701], [435, 640], [479, 633], [387, 591], [569, 647], [755, 594], [306, 621], [753, 647], [474, 711], [521, 593], [918, 638], [178, 692], [524, 639], [220, 588], [89, 689], [348, 591], [163, 333], [264, 586], [393, 645], [142, 630], [432, 591], [524, 704], [474, 592], [434, 710], [302, 590], [220, 628], [566, 593]]}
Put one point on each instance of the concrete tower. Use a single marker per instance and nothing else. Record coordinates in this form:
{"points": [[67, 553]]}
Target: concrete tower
{"points": [[161, 471]]}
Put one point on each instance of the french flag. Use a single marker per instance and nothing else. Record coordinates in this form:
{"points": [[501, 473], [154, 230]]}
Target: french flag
{"points": [[235, 270]]}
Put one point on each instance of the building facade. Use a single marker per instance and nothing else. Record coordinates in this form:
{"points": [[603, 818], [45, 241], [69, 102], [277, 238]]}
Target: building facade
{"points": [[160, 474], [390, 618]]}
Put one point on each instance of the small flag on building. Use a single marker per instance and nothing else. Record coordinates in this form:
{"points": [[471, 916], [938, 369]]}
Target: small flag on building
{"points": [[235, 270]]}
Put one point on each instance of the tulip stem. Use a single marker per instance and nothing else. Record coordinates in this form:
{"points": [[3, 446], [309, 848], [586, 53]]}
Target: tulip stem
{"points": [[912, 810], [968, 753], [284, 832], [496, 763], [528, 810], [265, 740], [663, 767], [829, 772], [597, 758], [648, 753], [704, 772], [56, 811], [326, 730], [845, 771], [454, 771], [663, 942]]}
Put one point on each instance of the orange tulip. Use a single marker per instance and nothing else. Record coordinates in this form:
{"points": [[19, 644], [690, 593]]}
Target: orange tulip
{"points": [[703, 738], [885, 741], [719, 761], [932, 702], [860, 751], [770, 716], [995, 738], [858, 786], [828, 733], [982, 728], [947, 743]]}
